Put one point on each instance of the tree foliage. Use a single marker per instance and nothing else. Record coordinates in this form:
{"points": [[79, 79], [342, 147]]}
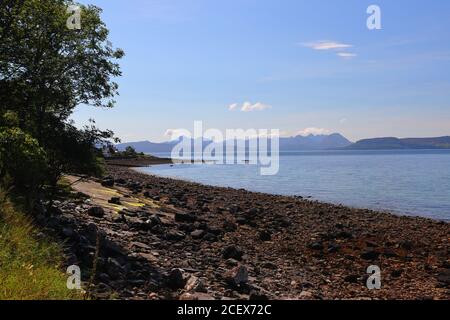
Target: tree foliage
{"points": [[46, 70], [22, 160]]}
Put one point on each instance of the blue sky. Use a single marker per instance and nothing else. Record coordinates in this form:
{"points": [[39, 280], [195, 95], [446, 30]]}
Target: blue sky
{"points": [[190, 60]]}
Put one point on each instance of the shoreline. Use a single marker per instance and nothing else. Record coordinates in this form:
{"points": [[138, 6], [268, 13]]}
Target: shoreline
{"points": [[324, 241], [163, 238], [166, 161]]}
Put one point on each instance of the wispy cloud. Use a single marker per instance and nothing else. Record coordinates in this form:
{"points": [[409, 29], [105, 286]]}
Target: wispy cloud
{"points": [[326, 45], [346, 55], [249, 107]]}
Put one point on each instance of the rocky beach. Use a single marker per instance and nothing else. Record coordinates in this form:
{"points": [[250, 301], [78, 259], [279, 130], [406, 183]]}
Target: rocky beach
{"points": [[138, 236]]}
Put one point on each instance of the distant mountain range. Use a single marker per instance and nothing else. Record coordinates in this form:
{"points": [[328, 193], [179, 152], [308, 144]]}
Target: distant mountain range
{"points": [[311, 142], [396, 143], [333, 141]]}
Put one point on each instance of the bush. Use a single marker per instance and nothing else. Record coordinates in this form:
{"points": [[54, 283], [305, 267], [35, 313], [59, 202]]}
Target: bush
{"points": [[22, 160]]}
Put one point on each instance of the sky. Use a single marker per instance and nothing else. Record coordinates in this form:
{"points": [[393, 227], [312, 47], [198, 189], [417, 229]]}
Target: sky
{"points": [[295, 65]]}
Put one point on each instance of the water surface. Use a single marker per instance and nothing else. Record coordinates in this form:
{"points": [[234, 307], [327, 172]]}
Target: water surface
{"points": [[413, 182]]}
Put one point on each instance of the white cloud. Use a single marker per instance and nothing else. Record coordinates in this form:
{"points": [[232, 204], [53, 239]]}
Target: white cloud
{"points": [[249, 107], [326, 45], [346, 55], [233, 106], [314, 131], [343, 120]]}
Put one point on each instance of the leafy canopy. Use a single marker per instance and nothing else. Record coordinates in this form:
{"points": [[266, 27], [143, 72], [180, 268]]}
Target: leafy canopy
{"points": [[46, 70]]}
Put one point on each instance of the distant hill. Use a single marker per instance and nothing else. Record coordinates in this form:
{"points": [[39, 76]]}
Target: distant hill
{"points": [[298, 143], [314, 142], [396, 143], [148, 147]]}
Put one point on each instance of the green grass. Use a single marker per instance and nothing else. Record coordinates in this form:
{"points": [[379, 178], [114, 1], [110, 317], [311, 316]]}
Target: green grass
{"points": [[30, 268]]}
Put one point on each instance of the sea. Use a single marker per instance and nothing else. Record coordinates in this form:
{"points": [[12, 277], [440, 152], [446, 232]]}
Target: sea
{"points": [[404, 182]]}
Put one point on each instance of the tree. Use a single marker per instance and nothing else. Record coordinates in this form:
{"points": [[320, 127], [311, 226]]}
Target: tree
{"points": [[130, 152], [46, 70]]}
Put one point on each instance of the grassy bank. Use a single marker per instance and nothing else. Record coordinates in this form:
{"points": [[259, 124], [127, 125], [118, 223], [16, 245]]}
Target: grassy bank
{"points": [[30, 268]]}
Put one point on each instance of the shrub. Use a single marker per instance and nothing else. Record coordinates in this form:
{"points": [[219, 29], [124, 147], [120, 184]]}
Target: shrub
{"points": [[22, 160]]}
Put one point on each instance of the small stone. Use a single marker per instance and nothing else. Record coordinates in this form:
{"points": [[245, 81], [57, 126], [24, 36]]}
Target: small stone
{"points": [[154, 220], [396, 273], [149, 257], [270, 265], [175, 235], [115, 200], [285, 222], [353, 278], [265, 236], [107, 182], [114, 269], [237, 276], [407, 245], [333, 248], [306, 295], [370, 255], [444, 278], [184, 217], [344, 235], [257, 296], [210, 237], [195, 284], [231, 262], [197, 234], [196, 296], [316, 246], [118, 218], [233, 252], [97, 212], [229, 226], [175, 279], [68, 232]]}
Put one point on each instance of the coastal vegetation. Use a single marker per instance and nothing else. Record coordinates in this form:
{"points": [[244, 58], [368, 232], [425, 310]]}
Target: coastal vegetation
{"points": [[30, 262], [46, 70]]}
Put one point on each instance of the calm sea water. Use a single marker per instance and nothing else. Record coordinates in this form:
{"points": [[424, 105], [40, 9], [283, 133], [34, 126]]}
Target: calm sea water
{"points": [[411, 182]]}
